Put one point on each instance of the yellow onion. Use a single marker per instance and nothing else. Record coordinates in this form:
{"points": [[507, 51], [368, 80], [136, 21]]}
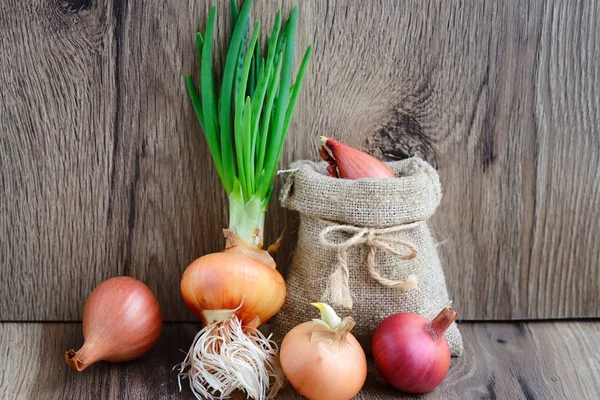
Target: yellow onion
{"points": [[121, 322], [233, 292], [216, 285], [322, 359]]}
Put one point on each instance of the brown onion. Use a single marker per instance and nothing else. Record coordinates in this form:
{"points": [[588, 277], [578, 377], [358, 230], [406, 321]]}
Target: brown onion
{"points": [[121, 321]]}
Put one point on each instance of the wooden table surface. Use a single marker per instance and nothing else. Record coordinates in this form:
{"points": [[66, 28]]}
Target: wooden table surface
{"points": [[538, 360]]}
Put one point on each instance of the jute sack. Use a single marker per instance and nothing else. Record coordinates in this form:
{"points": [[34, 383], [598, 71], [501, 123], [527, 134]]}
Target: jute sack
{"points": [[364, 247]]}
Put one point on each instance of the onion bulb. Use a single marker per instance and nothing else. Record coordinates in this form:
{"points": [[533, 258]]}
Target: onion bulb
{"points": [[233, 292], [322, 359], [216, 285], [121, 321], [348, 163], [411, 351]]}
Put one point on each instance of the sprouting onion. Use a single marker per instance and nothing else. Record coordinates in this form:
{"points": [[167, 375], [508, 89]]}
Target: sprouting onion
{"points": [[245, 123]]}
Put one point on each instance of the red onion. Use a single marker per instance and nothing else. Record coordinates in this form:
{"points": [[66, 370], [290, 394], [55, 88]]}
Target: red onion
{"points": [[411, 352], [348, 163]]}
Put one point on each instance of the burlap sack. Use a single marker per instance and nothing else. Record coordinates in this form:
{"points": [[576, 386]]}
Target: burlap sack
{"points": [[364, 247]]}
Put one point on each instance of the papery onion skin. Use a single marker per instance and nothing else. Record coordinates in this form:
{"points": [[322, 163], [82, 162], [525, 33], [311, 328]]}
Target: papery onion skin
{"points": [[410, 354], [352, 163], [122, 320], [227, 281], [322, 368]]}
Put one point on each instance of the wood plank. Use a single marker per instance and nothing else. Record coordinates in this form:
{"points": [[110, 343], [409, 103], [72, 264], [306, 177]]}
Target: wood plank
{"points": [[477, 90], [517, 128], [104, 170], [57, 110], [502, 360]]}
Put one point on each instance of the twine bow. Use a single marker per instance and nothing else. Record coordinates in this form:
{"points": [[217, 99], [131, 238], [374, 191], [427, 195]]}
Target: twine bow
{"points": [[338, 288]]}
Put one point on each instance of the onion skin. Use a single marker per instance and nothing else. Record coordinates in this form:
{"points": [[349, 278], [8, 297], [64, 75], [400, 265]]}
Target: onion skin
{"points": [[320, 367], [352, 163], [121, 322], [226, 280], [411, 352]]}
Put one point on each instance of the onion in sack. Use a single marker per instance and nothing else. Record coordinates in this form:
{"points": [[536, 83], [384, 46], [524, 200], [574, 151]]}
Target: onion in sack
{"points": [[348, 163]]}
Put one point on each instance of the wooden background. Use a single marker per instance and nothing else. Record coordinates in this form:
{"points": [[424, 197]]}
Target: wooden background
{"points": [[104, 171]]}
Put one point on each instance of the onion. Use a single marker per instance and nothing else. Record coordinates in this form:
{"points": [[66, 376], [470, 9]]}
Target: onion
{"points": [[348, 163], [233, 292], [411, 352], [245, 121], [322, 359], [216, 285], [121, 322]]}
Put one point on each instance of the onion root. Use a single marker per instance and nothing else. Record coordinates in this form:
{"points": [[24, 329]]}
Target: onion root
{"points": [[226, 356]]}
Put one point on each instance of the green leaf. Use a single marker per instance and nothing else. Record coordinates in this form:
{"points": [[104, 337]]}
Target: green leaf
{"points": [[283, 99], [196, 103], [234, 14], [254, 71], [282, 38], [239, 107], [248, 161], [251, 76], [272, 89], [259, 97], [199, 45], [290, 110], [226, 93], [208, 92], [240, 62]]}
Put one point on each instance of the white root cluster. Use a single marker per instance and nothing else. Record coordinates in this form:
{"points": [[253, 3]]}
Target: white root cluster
{"points": [[225, 356]]}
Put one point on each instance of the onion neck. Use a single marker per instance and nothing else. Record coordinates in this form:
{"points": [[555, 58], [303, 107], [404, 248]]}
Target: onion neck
{"points": [[247, 219], [438, 326], [81, 359], [329, 319], [344, 329]]}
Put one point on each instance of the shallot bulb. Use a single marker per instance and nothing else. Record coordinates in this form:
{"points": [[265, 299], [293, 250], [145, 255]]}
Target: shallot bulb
{"points": [[411, 351], [322, 359], [348, 163], [121, 321]]}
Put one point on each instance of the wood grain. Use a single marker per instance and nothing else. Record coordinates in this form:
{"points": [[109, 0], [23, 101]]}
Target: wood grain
{"points": [[104, 169], [57, 114], [502, 361], [517, 144]]}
